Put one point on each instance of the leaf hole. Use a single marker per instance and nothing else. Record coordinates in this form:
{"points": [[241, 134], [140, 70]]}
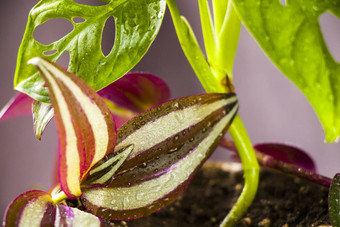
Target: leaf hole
{"points": [[283, 2], [52, 30], [78, 20], [108, 36], [64, 60], [330, 27], [50, 52], [91, 2]]}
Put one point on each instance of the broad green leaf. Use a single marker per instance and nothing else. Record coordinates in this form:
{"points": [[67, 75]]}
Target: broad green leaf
{"points": [[85, 127], [137, 23], [292, 38]]}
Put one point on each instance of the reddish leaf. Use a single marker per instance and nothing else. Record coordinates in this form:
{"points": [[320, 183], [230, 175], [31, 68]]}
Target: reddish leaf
{"points": [[85, 127], [287, 154], [19, 105], [171, 142], [137, 92]]}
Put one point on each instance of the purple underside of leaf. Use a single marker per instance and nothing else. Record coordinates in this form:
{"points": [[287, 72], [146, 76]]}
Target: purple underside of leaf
{"points": [[19, 105], [171, 142], [137, 92], [288, 154], [286, 159]]}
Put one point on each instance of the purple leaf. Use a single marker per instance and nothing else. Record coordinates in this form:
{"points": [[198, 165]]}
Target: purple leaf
{"points": [[136, 92], [171, 142], [288, 154], [19, 105]]}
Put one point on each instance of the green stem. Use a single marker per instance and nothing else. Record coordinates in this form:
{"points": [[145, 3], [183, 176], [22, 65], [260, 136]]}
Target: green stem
{"points": [[228, 39], [209, 34], [220, 9], [250, 172], [193, 52], [59, 197], [211, 77]]}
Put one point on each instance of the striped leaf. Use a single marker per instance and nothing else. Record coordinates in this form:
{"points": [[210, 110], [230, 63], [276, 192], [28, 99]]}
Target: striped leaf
{"points": [[103, 172], [35, 209], [171, 142], [85, 126]]}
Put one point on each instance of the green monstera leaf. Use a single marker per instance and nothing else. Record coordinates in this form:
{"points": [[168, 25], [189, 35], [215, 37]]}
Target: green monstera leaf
{"points": [[291, 36], [137, 23]]}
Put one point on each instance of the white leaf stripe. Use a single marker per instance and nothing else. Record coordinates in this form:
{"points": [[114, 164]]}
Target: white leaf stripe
{"points": [[94, 111], [175, 121], [148, 193], [70, 160], [103, 172], [159, 159]]}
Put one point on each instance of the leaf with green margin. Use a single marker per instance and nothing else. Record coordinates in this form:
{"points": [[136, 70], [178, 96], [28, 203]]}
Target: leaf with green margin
{"points": [[291, 37], [137, 24]]}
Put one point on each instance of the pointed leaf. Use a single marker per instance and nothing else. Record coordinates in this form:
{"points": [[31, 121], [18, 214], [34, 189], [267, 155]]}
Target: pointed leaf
{"points": [[137, 92], [291, 37], [171, 142], [19, 105], [85, 127], [334, 200], [103, 172], [287, 154], [42, 114], [137, 24]]}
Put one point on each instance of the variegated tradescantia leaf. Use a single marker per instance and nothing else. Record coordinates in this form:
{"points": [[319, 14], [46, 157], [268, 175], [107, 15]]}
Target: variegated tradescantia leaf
{"points": [[42, 114], [171, 141], [136, 26], [85, 126], [126, 97], [103, 172], [36, 208]]}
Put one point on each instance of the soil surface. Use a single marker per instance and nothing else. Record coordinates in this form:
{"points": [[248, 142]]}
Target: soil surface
{"points": [[282, 200]]}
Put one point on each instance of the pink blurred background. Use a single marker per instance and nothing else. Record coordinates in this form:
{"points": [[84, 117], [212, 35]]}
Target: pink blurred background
{"points": [[272, 108]]}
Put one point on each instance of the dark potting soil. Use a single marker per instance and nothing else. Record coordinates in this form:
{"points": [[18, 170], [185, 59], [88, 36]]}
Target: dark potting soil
{"points": [[282, 200]]}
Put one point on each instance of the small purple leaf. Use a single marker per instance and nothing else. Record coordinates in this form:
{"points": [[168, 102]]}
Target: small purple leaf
{"points": [[171, 142], [137, 92], [288, 154], [19, 105], [334, 200]]}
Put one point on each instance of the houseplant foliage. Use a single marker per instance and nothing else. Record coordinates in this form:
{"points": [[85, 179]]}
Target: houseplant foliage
{"points": [[182, 135], [120, 167]]}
